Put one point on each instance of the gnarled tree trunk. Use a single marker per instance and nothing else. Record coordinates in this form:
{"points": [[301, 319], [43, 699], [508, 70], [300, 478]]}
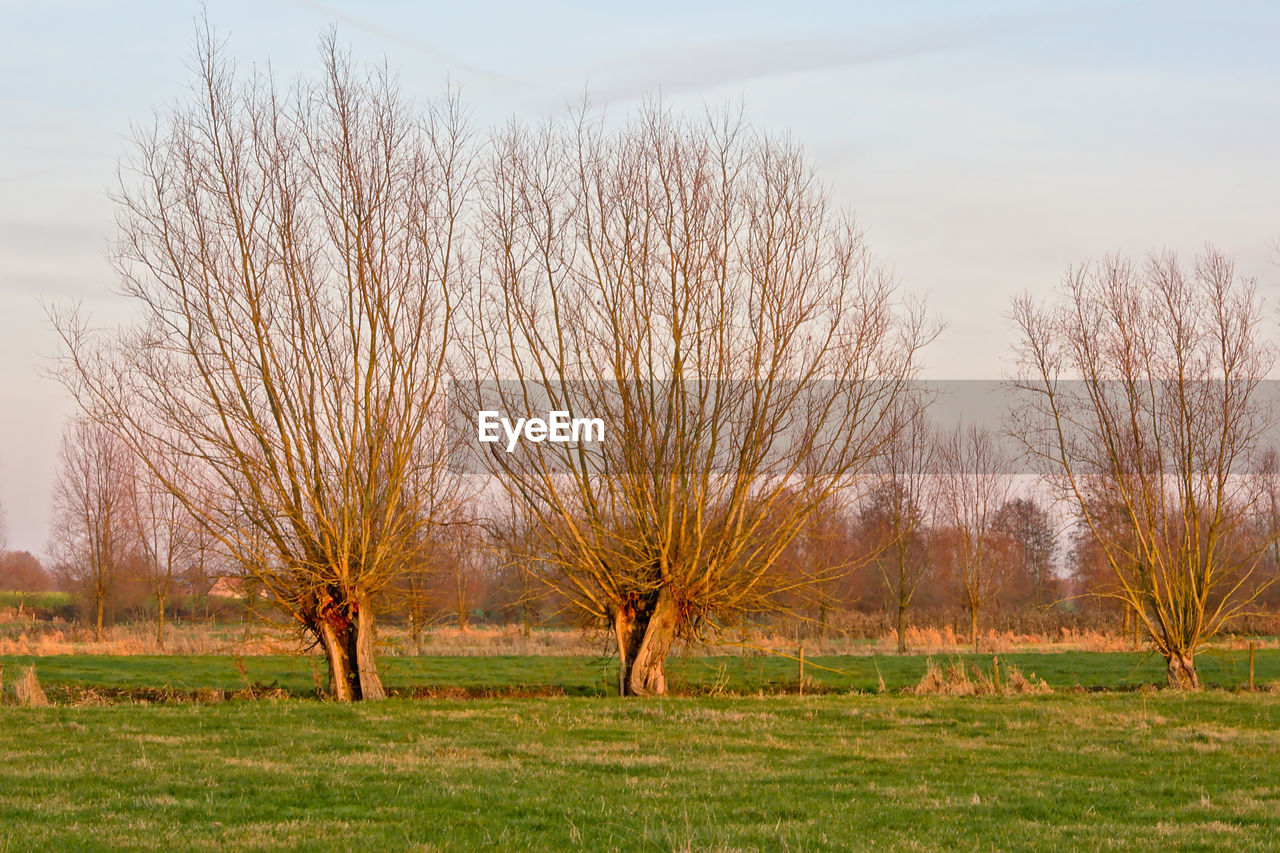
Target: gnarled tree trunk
{"points": [[644, 635], [1182, 671], [342, 680], [345, 632], [366, 668]]}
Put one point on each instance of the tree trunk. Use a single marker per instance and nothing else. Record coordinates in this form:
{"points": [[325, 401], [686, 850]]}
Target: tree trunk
{"points": [[644, 641], [160, 622], [902, 628], [623, 627], [97, 625], [250, 593], [366, 667], [463, 620], [415, 630], [347, 637], [527, 616], [1182, 671], [341, 676], [973, 626]]}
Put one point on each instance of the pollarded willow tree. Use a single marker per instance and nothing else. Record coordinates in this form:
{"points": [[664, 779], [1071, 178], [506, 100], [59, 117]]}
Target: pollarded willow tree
{"points": [[1143, 398], [689, 283], [292, 255]]}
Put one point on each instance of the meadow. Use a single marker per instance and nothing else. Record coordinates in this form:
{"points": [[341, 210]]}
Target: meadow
{"points": [[214, 751], [1149, 770], [584, 675]]}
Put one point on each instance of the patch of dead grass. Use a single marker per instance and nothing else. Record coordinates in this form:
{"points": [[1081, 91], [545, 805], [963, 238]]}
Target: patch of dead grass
{"points": [[27, 691], [957, 679]]}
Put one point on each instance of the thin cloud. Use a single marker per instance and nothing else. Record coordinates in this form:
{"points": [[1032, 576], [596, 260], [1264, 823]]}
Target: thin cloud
{"points": [[376, 29], [694, 68]]}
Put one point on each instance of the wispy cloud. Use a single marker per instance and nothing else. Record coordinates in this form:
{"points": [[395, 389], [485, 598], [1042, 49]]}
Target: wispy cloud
{"points": [[716, 64], [453, 62]]}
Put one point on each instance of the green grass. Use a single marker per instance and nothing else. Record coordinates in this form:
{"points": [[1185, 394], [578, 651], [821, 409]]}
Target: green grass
{"points": [[1160, 771], [586, 676], [35, 600]]}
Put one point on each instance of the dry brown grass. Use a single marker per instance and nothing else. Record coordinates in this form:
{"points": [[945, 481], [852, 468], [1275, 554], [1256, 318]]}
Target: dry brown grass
{"points": [[952, 681], [932, 639], [945, 640], [27, 690], [36, 637], [1015, 683], [27, 636], [957, 679], [138, 638]]}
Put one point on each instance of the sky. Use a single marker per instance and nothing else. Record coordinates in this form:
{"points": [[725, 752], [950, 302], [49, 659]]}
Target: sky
{"points": [[984, 146]]}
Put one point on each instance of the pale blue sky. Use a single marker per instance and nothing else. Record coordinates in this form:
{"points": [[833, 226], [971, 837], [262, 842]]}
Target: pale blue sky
{"points": [[984, 146]]}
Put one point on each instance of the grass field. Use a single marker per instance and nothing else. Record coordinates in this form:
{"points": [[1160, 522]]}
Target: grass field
{"points": [[1051, 772], [587, 676], [1138, 769]]}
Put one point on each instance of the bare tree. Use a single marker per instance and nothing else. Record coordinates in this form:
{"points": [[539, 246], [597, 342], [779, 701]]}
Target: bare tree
{"points": [[1027, 526], [1158, 441], [822, 560], [688, 283], [90, 535], [976, 477], [466, 575], [203, 567], [444, 577], [457, 572], [292, 255], [412, 592], [896, 513], [166, 537], [518, 567]]}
